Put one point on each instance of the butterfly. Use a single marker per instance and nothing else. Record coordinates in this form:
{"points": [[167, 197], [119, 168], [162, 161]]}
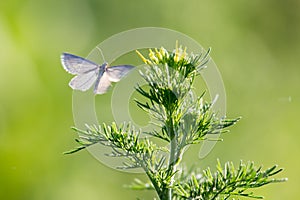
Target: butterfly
{"points": [[88, 72]]}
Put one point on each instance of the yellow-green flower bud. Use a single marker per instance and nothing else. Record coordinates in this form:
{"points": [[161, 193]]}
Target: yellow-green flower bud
{"points": [[164, 52], [152, 56], [146, 61], [158, 54]]}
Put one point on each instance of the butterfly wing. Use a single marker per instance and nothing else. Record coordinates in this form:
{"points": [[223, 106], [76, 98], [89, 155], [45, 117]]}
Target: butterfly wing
{"points": [[88, 72], [102, 85], [116, 73], [83, 81], [77, 65]]}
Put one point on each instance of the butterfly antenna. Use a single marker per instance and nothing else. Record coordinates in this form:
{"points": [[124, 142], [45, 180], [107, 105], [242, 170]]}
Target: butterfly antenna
{"points": [[100, 52]]}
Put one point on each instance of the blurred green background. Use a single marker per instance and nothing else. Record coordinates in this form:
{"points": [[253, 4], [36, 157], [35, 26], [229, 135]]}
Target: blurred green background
{"points": [[256, 45]]}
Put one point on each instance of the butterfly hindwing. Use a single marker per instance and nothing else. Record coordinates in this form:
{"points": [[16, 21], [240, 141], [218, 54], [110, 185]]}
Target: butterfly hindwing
{"points": [[83, 81], [103, 84], [77, 65]]}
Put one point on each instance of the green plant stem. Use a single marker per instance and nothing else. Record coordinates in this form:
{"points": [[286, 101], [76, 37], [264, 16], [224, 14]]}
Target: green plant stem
{"points": [[173, 154], [172, 166], [153, 181]]}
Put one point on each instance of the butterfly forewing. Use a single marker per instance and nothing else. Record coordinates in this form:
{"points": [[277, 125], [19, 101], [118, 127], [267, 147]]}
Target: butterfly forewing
{"points": [[77, 65], [116, 73]]}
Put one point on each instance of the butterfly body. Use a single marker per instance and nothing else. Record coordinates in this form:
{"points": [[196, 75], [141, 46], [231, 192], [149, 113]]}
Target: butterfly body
{"points": [[87, 73]]}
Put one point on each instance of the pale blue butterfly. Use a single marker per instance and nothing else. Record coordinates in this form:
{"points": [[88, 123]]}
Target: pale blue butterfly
{"points": [[88, 72]]}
